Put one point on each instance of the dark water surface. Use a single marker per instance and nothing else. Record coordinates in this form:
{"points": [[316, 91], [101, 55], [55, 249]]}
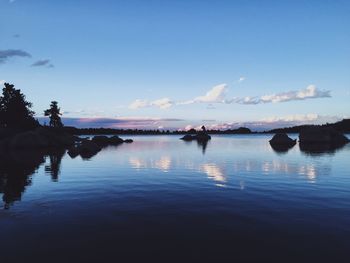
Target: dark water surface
{"points": [[162, 199]]}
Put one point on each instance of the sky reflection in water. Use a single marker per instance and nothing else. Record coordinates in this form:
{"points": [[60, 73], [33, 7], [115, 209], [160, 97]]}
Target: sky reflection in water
{"points": [[160, 187]]}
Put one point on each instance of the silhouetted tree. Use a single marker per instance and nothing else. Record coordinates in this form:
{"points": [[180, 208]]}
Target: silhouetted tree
{"points": [[15, 111], [54, 115]]}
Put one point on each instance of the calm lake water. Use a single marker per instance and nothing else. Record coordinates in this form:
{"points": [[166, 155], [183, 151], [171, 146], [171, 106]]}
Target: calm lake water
{"points": [[162, 199]]}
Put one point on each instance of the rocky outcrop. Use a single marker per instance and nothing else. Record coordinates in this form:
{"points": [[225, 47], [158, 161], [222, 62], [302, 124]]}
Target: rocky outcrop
{"points": [[201, 136], [188, 137], [282, 139], [88, 148], [322, 136], [317, 140], [103, 141], [46, 137], [281, 142]]}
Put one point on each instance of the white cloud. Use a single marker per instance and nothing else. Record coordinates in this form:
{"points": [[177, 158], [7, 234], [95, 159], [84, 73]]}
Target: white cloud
{"points": [[164, 103], [137, 104], [2, 81], [241, 79], [292, 118], [310, 92], [216, 95]]}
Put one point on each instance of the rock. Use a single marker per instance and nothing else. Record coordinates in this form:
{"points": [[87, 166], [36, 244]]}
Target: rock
{"points": [[281, 143], [105, 141], [203, 137], [86, 149], [73, 151], [282, 139], [322, 136], [115, 140], [317, 140], [188, 137], [101, 140]]}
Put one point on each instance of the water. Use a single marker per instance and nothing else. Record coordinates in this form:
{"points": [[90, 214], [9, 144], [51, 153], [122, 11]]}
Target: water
{"points": [[162, 199]]}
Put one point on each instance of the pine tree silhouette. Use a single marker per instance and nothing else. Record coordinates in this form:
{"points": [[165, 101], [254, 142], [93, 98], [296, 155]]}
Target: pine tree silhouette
{"points": [[54, 115], [15, 111]]}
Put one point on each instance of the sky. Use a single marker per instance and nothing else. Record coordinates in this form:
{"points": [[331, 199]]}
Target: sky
{"points": [[180, 64]]}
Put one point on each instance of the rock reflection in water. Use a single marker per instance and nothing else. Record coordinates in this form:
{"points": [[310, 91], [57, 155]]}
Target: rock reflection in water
{"points": [[17, 168], [320, 149], [201, 145], [281, 149]]}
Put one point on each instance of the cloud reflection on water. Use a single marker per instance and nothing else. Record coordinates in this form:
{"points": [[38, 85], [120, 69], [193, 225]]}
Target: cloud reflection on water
{"points": [[163, 163]]}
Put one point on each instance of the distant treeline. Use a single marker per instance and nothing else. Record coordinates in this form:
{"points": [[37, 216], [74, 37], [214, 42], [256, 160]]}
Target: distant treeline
{"points": [[341, 126], [90, 131]]}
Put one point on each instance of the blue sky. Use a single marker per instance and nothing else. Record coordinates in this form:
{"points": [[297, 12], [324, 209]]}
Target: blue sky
{"points": [[174, 64]]}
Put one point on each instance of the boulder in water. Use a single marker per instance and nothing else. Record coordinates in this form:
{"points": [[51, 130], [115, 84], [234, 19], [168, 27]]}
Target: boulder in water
{"points": [[101, 140], [115, 140], [86, 149], [317, 140], [282, 139], [322, 136], [203, 137], [188, 137], [281, 142]]}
